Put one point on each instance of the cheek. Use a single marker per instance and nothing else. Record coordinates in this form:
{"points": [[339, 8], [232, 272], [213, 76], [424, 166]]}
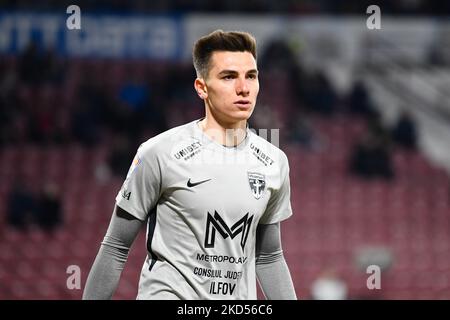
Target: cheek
{"points": [[256, 90], [223, 94]]}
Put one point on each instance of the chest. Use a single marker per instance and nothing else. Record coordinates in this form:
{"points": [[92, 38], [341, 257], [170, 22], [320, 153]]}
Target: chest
{"points": [[229, 188]]}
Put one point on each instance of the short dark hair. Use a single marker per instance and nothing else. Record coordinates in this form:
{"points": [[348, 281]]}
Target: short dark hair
{"points": [[220, 40]]}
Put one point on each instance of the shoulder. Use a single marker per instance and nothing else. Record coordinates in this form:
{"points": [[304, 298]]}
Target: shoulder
{"points": [[267, 152], [164, 143]]}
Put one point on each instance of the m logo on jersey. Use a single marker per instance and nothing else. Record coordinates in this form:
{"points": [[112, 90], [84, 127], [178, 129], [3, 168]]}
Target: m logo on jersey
{"points": [[217, 223], [257, 183]]}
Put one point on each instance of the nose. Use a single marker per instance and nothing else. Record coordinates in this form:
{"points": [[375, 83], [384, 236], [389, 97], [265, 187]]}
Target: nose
{"points": [[242, 87]]}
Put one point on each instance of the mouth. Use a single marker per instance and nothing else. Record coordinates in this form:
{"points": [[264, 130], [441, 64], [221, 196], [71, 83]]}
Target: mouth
{"points": [[243, 104]]}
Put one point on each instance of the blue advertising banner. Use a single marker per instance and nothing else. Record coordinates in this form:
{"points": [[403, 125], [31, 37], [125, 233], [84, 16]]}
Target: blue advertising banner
{"points": [[100, 35]]}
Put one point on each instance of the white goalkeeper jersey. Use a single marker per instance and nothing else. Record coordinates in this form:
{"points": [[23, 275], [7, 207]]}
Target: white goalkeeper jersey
{"points": [[203, 202]]}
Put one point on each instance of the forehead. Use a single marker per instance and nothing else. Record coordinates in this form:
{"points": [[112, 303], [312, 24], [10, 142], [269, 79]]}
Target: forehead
{"points": [[230, 60]]}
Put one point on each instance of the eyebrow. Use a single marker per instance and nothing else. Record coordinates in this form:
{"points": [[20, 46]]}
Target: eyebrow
{"points": [[223, 72]]}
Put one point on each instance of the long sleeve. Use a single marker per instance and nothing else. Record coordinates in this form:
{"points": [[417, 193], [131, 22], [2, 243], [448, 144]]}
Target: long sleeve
{"points": [[271, 267], [112, 256]]}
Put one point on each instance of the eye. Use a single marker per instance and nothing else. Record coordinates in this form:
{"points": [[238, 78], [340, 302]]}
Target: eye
{"points": [[228, 77], [252, 76]]}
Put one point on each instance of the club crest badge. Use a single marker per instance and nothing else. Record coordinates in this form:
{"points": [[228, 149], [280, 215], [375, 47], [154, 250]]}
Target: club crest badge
{"points": [[257, 183]]}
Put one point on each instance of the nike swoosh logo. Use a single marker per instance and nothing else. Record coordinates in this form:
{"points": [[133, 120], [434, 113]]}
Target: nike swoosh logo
{"points": [[193, 184]]}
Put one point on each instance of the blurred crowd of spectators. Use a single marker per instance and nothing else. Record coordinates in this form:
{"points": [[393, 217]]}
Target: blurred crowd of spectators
{"points": [[313, 93], [436, 7], [42, 103], [34, 109], [372, 155], [26, 208]]}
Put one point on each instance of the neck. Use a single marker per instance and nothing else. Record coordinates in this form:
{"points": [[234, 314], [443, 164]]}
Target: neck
{"points": [[227, 134]]}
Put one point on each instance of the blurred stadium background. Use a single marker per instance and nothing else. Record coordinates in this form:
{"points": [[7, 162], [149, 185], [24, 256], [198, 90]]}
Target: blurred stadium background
{"points": [[364, 117]]}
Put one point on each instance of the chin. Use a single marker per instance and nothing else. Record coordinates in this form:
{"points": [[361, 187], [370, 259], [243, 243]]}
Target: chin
{"points": [[243, 114], [236, 116]]}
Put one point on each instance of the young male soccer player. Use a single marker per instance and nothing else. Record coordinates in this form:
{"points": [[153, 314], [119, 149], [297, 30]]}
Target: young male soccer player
{"points": [[212, 192]]}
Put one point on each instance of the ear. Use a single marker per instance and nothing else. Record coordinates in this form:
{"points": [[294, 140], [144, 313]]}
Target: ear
{"points": [[200, 87]]}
